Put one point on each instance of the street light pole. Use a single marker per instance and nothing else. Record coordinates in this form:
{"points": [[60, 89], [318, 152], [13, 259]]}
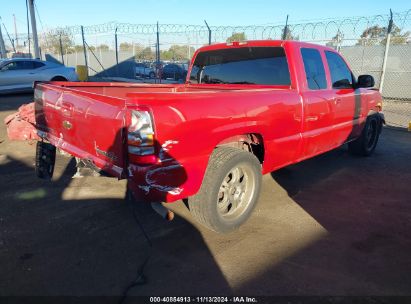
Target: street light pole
{"points": [[15, 31], [34, 29]]}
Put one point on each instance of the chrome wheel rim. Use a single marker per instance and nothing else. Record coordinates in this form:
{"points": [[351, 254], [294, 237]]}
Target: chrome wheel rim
{"points": [[236, 192]]}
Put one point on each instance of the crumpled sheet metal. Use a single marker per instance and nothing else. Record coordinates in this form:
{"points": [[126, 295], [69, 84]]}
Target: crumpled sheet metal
{"points": [[21, 125]]}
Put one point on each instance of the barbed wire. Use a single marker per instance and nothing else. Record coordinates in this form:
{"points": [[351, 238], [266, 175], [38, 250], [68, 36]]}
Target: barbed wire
{"points": [[325, 26], [326, 29]]}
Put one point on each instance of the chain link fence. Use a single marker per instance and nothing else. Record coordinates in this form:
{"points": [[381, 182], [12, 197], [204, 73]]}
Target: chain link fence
{"points": [[113, 49]]}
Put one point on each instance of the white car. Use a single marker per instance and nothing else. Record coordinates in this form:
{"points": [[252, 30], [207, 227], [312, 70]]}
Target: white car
{"points": [[18, 74], [144, 70]]}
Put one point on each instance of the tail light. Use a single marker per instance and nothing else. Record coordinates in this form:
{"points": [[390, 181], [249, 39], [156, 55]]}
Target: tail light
{"points": [[140, 137]]}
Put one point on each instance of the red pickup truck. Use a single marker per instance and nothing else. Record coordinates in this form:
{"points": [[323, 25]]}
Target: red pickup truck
{"points": [[246, 109]]}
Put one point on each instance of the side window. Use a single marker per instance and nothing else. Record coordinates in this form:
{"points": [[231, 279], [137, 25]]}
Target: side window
{"points": [[341, 76], [38, 64], [9, 67], [314, 69], [24, 65]]}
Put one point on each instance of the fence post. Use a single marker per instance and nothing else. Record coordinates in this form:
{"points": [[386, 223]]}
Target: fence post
{"points": [[209, 33], [116, 45], [387, 47], [61, 50], [158, 55], [84, 48], [285, 31], [339, 40]]}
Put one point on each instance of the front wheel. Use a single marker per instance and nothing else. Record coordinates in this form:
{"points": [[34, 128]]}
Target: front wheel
{"points": [[367, 142], [229, 191]]}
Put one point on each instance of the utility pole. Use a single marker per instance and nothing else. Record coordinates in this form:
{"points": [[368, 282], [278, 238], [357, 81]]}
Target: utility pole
{"points": [[2, 46], [34, 29], [28, 25], [15, 31]]}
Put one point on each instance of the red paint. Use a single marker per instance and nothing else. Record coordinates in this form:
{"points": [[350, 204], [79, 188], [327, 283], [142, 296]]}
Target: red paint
{"points": [[293, 122]]}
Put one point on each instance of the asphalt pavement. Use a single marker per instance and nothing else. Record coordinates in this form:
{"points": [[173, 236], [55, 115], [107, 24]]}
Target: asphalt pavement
{"points": [[332, 225]]}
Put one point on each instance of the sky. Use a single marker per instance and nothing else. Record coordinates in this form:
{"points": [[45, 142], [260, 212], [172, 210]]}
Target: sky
{"points": [[54, 13]]}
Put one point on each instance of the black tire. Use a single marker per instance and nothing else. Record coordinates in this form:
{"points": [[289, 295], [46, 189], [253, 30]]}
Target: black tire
{"points": [[45, 160], [58, 78], [223, 203], [367, 142], [151, 75]]}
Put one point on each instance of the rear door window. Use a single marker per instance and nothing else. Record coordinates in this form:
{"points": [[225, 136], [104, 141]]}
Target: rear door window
{"points": [[25, 65], [314, 69], [244, 65], [38, 64]]}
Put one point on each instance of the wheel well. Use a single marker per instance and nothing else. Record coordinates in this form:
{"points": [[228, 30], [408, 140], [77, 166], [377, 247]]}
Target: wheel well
{"points": [[58, 78], [249, 142]]}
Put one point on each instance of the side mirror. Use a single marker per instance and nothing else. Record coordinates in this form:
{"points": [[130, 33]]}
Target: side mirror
{"points": [[365, 81], [342, 84]]}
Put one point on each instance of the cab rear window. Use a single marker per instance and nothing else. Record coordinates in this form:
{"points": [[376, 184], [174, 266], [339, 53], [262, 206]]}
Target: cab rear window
{"points": [[244, 65]]}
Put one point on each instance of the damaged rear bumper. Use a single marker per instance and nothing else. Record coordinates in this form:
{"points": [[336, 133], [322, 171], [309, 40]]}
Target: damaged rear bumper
{"points": [[157, 183]]}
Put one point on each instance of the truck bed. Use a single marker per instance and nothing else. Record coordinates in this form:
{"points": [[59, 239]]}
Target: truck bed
{"points": [[89, 121], [125, 89]]}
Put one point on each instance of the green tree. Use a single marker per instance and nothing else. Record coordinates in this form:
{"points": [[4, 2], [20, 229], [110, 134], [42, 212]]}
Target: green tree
{"points": [[375, 35], [102, 47], [237, 37], [77, 48], [178, 52], [126, 47], [145, 54], [50, 42], [289, 35], [336, 40]]}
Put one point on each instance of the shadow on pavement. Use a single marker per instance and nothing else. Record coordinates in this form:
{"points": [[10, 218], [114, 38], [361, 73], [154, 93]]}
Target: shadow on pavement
{"points": [[56, 246], [363, 204]]}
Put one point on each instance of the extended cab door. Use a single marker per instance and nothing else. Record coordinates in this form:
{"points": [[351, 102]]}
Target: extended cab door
{"points": [[346, 100], [318, 97]]}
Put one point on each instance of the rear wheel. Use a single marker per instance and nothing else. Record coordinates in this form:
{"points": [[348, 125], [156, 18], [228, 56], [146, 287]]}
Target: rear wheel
{"points": [[151, 75], [58, 78], [229, 191], [366, 143]]}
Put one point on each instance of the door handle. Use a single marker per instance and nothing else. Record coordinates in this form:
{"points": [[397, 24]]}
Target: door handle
{"points": [[67, 109], [337, 101]]}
